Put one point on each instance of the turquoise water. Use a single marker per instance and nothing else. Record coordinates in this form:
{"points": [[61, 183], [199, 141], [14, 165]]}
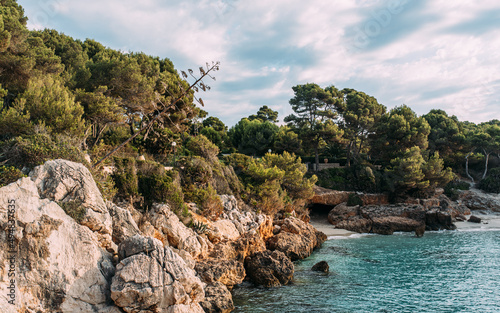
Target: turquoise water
{"points": [[449, 271]]}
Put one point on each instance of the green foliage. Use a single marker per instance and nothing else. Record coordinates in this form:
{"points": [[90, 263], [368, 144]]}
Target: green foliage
{"points": [[201, 146], [161, 188], [9, 174], [253, 137], [34, 149], [199, 227], [314, 110], [74, 209], [125, 177], [451, 190], [492, 182], [287, 140], [264, 114], [206, 199], [354, 199]]}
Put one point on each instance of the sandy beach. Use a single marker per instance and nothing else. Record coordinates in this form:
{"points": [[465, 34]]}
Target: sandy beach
{"points": [[489, 221]]}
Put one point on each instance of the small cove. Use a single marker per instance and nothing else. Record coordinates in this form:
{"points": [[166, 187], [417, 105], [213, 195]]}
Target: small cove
{"points": [[445, 271]]}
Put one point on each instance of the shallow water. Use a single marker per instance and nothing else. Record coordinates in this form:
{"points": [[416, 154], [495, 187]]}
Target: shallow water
{"points": [[449, 271]]}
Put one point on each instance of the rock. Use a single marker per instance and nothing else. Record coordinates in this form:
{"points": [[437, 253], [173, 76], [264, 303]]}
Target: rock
{"points": [[389, 224], [124, 225], [218, 299], [332, 198], [436, 219], [342, 212], [477, 200], [174, 232], [296, 239], [64, 181], [474, 219], [60, 264], [269, 268], [228, 272], [153, 278], [321, 267], [356, 224]]}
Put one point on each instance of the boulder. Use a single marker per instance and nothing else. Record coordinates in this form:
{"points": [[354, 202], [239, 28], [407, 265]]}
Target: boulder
{"points": [[389, 224], [64, 181], [342, 212], [60, 264], [474, 219], [124, 225], [173, 232], [321, 267], [332, 198], [269, 268], [218, 299], [153, 278], [437, 219], [356, 224], [228, 272], [296, 239]]}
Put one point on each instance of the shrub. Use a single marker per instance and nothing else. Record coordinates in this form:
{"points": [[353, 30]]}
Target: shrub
{"points": [[33, 150], [492, 182], [9, 174], [207, 200], [354, 199], [125, 177], [74, 209], [161, 188]]}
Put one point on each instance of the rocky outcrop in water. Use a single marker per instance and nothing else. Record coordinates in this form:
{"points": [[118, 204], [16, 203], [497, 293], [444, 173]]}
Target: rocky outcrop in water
{"points": [[269, 268]]}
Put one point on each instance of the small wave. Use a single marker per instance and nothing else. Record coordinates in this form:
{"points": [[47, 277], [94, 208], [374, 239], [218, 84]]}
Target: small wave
{"points": [[349, 236]]}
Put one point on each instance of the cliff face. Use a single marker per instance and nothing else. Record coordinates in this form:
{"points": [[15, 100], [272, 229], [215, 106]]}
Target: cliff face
{"points": [[64, 249]]}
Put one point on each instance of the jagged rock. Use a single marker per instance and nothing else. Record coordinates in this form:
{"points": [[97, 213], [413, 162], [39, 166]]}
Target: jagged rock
{"points": [[436, 219], [246, 221], [474, 219], [228, 272], [60, 264], [321, 267], [342, 212], [477, 200], [153, 278], [124, 225], [332, 198], [218, 299], [389, 224], [356, 224], [63, 181], [296, 239], [269, 268], [174, 232]]}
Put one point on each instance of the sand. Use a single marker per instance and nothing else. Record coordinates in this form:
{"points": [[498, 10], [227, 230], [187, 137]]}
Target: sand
{"points": [[489, 221]]}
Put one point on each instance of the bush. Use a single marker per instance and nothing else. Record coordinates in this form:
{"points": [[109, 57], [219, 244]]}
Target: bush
{"points": [[33, 150], [451, 190], [125, 177], [74, 209], [492, 182], [207, 200], [161, 188], [354, 199], [9, 174]]}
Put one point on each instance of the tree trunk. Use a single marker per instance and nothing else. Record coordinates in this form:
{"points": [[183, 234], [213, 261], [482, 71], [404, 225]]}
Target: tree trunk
{"points": [[486, 164], [348, 156], [316, 155], [467, 166]]}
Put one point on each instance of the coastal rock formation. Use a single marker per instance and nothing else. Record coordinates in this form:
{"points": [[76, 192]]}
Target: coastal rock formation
{"points": [[296, 238], [269, 268], [321, 267], [480, 201], [153, 278], [332, 198], [227, 272], [474, 219], [65, 181], [124, 225], [167, 227], [57, 264], [218, 299]]}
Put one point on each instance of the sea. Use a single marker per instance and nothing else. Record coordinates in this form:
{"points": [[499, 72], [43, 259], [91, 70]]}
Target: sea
{"points": [[443, 271]]}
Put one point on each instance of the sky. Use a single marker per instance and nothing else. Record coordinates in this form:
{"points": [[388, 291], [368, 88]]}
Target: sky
{"points": [[427, 54]]}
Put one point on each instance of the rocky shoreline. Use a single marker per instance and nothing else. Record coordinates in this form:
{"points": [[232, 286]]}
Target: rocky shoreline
{"points": [[65, 249], [112, 258]]}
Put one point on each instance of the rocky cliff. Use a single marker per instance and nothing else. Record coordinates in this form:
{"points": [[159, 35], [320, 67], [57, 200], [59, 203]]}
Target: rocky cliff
{"points": [[64, 249]]}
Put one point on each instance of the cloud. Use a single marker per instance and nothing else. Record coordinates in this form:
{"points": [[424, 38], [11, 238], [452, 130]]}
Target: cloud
{"points": [[426, 54]]}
